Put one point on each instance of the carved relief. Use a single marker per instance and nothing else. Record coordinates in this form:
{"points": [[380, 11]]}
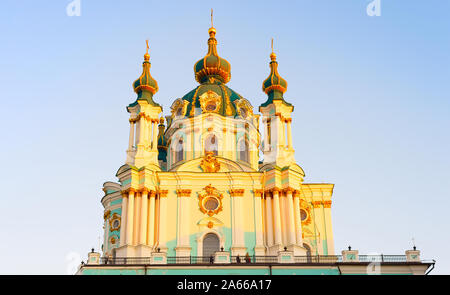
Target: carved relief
{"points": [[114, 222], [210, 163], [210, 202], [210, 102]]}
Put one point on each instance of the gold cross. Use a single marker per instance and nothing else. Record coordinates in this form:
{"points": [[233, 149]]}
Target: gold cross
{"points": [[146, 41], [212, 18]]}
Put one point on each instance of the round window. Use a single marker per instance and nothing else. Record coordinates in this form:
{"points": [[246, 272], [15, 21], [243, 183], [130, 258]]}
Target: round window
{"points": [[211, 204], [116, 223], [303, 214]]}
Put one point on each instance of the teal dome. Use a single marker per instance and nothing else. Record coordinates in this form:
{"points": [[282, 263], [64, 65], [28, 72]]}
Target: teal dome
{"points": [[212, 65], [145, 86], [225, 95]]}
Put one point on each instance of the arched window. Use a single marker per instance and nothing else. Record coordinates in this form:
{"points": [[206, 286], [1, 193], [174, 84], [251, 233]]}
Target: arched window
{"points": [[211, 144], [243, 151], [179, 150]]}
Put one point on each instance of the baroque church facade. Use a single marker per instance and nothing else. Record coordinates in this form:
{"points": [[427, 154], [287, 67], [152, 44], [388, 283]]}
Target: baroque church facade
{"points": [[215, 182], [193, 182]]}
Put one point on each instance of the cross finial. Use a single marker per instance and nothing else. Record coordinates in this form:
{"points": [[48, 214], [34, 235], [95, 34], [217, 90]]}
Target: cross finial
{"points": [[146, 41], [414, 243], [271, 45], [212, 18]]}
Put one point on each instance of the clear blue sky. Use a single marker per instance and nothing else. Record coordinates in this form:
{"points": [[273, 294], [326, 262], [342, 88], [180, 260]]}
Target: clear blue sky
{"points": [[371, 95]]}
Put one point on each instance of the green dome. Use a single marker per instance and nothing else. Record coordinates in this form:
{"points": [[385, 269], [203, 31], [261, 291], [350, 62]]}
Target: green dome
{"points": [[212, 65], [226, 98], [274, 83], [145, 86]]}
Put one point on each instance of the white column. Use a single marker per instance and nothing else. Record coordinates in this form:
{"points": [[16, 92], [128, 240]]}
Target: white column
{"points": [[328, 226], [276, 216], [289, 133], [138, 132], [283, 217], [144, 212], [123, 220], [130, 218], [259, 218], [291, 221], [163, 219], [131, 139], [146, 130], [151, 220], [141, 129], [183, 218], [155, 135], [269, 219], [137, 220], [297, 220], [238, 227]]}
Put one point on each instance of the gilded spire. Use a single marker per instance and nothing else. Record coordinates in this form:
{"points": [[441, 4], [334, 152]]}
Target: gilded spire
{"points": [[212, 66], [274, 85], [145, 86]]}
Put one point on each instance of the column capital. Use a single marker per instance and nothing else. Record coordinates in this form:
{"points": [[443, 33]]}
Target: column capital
{"points": [[183, 192], [316, 204], [152, 193], [163, 193], [327, 204], [128, 190], [237, 192], [288, 190], [296, 193], [258, 192], [144, 190], [275, 190]]}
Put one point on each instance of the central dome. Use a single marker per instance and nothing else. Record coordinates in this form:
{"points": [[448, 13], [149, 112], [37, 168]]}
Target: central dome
{"points": [[225, 98], [212, 66]]}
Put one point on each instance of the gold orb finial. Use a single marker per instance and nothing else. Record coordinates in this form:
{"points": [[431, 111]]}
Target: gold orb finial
{"points": [[273, 56], [146, 55], [212, 30]]}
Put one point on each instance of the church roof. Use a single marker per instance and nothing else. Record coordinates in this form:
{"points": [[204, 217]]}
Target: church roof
{"points": [[226, 95], [145, 86], [212, 65], [274, 85]]}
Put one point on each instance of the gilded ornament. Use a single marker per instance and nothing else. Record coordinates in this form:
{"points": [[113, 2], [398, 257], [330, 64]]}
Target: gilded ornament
{"points": [[106, 214], [307, 210], [183, 192], [210, 202], [210, 163], [237, 192], [210, 102], [114, 222]]}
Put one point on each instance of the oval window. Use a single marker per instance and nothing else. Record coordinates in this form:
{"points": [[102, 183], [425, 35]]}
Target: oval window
{"points": [[211, 204], [211, 106]]}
